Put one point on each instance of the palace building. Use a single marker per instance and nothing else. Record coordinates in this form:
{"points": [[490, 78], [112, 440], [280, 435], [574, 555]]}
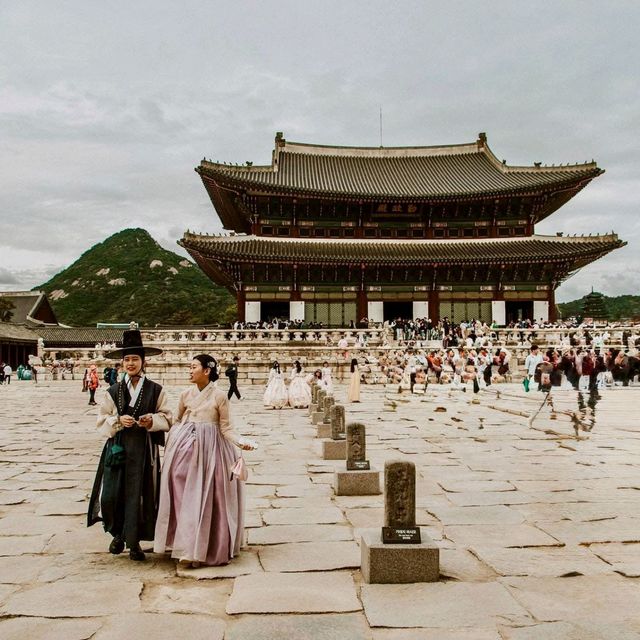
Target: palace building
{"points": [[335, 234]]}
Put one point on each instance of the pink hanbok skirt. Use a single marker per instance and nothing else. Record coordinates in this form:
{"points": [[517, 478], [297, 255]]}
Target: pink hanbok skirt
{"points": [[200, 518]]}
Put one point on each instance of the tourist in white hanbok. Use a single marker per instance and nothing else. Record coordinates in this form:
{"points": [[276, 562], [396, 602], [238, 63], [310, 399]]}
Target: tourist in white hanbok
{"points": [[299, 389], [326, 378], [275, 395]]}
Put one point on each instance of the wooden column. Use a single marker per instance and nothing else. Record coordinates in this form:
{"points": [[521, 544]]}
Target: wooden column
{"points": [[434, 306], [551, 298], [362, 308], [240, 300]]}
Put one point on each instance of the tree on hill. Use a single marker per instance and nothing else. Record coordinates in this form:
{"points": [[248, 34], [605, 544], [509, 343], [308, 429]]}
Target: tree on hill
{"points": [[617, 308], [129, 277]]}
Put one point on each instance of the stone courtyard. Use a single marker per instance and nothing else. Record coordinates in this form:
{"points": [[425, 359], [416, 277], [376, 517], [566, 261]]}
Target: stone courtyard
{"points": [[539, 530]]}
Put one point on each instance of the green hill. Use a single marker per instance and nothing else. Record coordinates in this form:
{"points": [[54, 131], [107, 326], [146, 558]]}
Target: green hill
{"points": [[130, 276], [625, 307]]}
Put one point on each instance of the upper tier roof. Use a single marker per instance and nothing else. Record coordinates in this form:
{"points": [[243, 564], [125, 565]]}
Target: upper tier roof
{"points": [[393, 172]]}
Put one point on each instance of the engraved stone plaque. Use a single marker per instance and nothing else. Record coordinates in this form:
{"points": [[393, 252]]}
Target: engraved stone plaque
{"points": [[327, 403], [356, 447], [400, 503]]}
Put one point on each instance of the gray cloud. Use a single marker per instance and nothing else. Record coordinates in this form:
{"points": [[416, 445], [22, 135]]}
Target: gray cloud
{"points": [[106, 110]]}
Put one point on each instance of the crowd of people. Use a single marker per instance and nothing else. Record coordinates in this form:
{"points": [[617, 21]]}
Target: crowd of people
{"points": [[583, 367]]}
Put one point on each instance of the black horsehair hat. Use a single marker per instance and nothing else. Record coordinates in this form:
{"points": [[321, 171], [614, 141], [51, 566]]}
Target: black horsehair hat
{"points": [[132, 345]]}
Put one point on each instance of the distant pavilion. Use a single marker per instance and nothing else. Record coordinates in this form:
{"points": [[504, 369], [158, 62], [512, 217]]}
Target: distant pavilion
{"points": [[334, 234]]}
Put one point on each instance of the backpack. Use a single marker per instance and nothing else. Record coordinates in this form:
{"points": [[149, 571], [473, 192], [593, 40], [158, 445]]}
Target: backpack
{"points": [[106, 375]]}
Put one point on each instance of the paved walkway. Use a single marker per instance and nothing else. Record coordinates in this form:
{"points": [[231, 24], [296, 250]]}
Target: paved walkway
{"points": [[539, 531]]}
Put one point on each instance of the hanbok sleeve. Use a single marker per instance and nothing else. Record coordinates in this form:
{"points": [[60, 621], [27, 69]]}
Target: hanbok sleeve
{"points": [[225, 425], [162, 417], [182, 407], [108, 419]]}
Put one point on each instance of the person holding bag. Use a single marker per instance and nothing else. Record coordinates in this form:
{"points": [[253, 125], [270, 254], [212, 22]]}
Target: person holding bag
{"points": [[133, 416], [200, 519]]}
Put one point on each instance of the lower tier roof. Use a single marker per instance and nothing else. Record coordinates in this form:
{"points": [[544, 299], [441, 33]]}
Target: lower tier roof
{"points": [[576, 250]]}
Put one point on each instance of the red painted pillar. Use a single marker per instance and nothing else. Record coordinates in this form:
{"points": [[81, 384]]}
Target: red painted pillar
{"points": [[553, 316], [240, 299]]}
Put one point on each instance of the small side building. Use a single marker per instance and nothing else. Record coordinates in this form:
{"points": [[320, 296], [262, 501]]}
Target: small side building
{"points": [[17, 343], [30, 307]]}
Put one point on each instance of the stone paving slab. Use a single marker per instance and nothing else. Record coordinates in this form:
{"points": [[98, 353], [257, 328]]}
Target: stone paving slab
{"points": [[22, 569], [47, 629], [294, 593], [310, 556], [436, 634], [503, 535], [19, 545], [166, 625], [346, 626], [488, 498], [579, 599], [568, 631], [494, 514], [311, 515], [246, 562], [541, 561], [174, 597], [461, 564], [279, 534], [74, 600], [438, 605], [624, 558]]}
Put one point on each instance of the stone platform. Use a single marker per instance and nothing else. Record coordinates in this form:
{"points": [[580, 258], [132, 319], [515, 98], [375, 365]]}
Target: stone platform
{"points": [[539, 531]]}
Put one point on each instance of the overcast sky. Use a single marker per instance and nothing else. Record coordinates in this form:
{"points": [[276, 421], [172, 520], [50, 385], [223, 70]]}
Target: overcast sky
{"points": [[106, 108]]}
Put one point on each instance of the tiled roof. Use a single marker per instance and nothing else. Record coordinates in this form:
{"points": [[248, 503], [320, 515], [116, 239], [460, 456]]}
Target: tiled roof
{"points": [[400, 172], [580, 249], [10, 332], [86, 337], [25, 303]]}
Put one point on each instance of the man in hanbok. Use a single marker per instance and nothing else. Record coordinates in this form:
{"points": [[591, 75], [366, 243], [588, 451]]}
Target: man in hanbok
{"points": [[133, 416]]}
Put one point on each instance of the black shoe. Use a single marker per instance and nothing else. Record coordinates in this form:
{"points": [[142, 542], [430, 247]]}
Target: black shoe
{"points": [[137, 554], [117, 545]]}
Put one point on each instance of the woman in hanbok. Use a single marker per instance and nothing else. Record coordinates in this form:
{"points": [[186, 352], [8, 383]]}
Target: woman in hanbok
{"points": [[275, 395], [200, 518], [299, 389], [354, 383], [326, 378], [133, 416]]}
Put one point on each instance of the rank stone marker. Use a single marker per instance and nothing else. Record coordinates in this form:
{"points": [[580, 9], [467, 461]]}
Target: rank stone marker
{"points": [[337, 422], [317, 416], [328, 402], [315, 389], [409, 555], [336, 447], [358, 479], [324, 422]]}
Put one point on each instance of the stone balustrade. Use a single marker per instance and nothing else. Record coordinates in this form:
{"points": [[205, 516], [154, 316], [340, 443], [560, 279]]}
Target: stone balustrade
{"points": [[168, 337], [258, 349]]}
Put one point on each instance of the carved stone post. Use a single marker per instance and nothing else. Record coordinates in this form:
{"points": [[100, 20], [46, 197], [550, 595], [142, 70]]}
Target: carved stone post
{"points": [[337, 422], [399, 495], [401, 554], [358, 479]]}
